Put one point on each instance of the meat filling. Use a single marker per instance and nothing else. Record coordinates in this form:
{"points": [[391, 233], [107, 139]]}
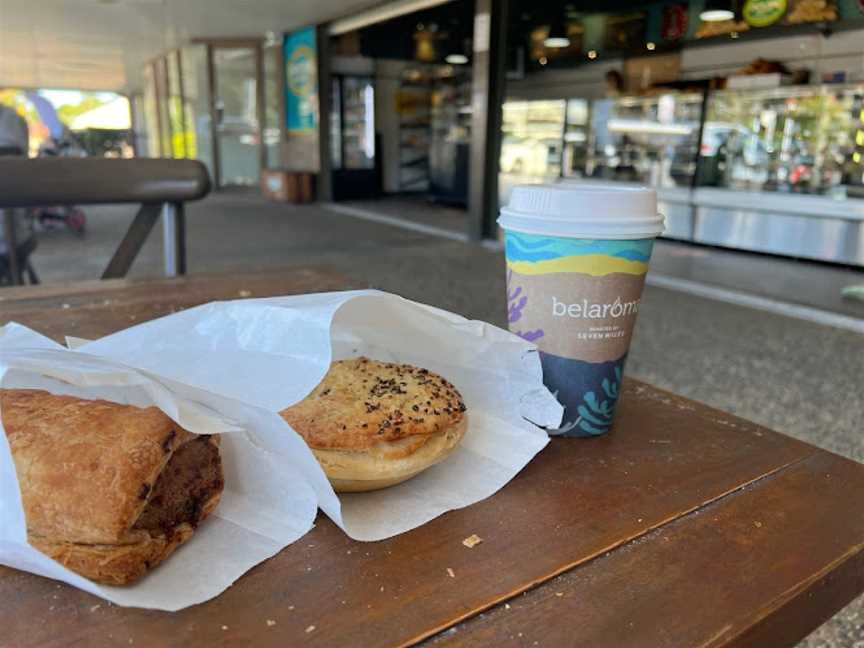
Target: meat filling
{"points": [[189, 480]]}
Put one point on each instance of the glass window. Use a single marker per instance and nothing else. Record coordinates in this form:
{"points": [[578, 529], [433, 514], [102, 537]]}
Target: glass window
{"points": [[140, 128], [237, 125], [799, 139], [151, 112], [160, 67], [575, 154], [272, 134], [532, 132], [199, 137], [336, 125], [650, 140], [358, 127], [176, 118]]}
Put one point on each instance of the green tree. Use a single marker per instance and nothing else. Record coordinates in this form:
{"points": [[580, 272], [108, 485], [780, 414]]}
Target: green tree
{"points": [[68, 112]]}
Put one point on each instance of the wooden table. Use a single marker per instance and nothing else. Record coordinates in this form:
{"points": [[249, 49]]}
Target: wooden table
{"points": [[684, 526]]}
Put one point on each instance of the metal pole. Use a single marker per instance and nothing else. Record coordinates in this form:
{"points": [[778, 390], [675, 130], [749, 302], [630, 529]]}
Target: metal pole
{"points": [[8, 218], [700, 161], [487, 95], [212, 89], [703, 113], [180, 236], [325, 178], [260, 99], [169, 239]]}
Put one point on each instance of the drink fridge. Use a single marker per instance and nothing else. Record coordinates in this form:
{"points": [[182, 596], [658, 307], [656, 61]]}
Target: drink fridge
{"points": [[352, 138]]}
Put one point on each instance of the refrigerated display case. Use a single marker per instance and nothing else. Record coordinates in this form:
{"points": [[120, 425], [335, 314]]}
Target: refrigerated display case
{"points": [[776, 170], [532, 134], [793, 140], [650, 140], [785, 173], [352, 119], [576, 134], [646, 140], [415, 134], [532, 139], [450, 138]]}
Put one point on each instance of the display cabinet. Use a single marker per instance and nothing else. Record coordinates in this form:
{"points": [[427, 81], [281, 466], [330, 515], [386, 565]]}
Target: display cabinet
{"points": [[777, 170]]}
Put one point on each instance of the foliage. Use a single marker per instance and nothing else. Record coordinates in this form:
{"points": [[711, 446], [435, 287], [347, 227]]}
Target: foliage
{"points": [[516, 301], [595, 415], [69, 112]]}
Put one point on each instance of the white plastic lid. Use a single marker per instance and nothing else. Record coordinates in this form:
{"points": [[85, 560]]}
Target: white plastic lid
{"points": [[583, 211]]}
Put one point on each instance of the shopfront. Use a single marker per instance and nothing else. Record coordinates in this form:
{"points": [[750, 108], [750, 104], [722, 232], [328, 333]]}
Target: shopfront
{"points": [[400, 107], [753, 136], [751, 127], [216, 100], [776, 170]]}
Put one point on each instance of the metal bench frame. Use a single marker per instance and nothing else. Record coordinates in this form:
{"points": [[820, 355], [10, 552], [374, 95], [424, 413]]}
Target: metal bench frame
{"points": [[161, 187]]}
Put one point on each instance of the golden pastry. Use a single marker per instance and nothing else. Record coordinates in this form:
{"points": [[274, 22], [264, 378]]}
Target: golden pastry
{"points": [[374, 424], [109, 490]]}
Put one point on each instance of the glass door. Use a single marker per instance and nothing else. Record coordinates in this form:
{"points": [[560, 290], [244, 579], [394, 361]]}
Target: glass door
{"points": [[352, 132], [236, 73], [358, 123]]}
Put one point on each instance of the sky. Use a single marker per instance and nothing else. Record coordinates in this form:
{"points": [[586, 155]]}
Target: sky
{"points": [[72, 97]]}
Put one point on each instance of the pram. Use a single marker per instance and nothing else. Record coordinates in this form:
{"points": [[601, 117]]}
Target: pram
{"points": [[71, 216], [20, 224]]}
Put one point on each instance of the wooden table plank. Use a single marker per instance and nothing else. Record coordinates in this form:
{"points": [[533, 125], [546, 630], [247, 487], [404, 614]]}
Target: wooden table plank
{"points": [[646, 494], [749, 570], [574, 502], [91, 309]]}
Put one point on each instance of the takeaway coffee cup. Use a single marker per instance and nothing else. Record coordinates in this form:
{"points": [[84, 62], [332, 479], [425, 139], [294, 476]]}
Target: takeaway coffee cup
{"points": [[576, 262]]}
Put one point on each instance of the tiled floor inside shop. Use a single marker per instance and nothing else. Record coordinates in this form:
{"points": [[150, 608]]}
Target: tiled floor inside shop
{"points": [[796, 376]]}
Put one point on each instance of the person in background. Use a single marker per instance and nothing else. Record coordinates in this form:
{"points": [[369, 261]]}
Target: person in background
{"points": [[15, 140], [614, 84], [14, 134]]}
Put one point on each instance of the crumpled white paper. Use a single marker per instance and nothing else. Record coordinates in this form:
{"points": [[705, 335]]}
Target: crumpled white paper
{"points": [[229, 367], [269, 501], [272, 352]]}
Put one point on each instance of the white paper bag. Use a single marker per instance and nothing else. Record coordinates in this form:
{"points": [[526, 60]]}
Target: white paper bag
{"points": [[270, 496], [272, 352]]}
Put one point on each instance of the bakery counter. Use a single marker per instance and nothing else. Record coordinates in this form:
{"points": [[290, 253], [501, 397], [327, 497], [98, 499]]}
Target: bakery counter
{"points": [[797, 225], [811, 227]]}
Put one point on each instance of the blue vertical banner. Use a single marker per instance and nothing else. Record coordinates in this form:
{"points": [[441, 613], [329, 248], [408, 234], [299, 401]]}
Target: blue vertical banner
{"points": [[301, 81]]}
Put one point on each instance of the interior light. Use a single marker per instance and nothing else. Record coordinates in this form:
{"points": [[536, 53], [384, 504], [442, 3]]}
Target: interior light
{"points": [[717, 15], [556, 43], [543, 60], [717, 11], [650, 46], [592, 54], [456, 59], [557, 37]]}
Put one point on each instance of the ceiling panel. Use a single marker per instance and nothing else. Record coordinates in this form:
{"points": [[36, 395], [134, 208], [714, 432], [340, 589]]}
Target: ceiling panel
{"points": [[103, 44]]}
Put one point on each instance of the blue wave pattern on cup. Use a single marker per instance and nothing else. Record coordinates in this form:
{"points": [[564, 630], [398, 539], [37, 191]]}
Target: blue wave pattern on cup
{"points": [[533, 247], [565, 271]]}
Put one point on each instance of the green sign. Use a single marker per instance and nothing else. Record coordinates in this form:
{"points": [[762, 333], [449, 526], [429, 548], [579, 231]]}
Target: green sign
{"points": [[762, 13]]}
